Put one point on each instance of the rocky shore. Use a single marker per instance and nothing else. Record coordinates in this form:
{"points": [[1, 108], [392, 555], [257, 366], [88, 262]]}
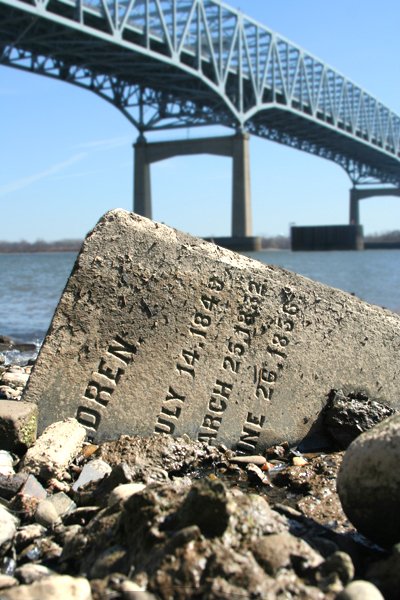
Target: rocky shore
{"points": [[167, 518]]}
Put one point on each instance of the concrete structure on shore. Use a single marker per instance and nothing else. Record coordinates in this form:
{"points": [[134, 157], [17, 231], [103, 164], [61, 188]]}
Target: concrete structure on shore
{"points": [[327, 237]]}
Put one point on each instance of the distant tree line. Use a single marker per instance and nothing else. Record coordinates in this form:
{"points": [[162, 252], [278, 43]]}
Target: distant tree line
{"points": [[278, 242], [387, 237], [40, 246]]}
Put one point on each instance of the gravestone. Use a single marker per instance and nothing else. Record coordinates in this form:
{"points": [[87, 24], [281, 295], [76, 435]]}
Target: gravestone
{"points": [[159, 332]]}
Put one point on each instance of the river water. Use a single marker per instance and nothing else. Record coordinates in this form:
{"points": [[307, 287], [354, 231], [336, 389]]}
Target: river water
{"points": [[31, 284]]}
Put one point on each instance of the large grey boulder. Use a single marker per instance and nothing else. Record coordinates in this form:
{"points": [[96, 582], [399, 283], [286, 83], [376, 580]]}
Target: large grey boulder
{"points": [[368, 482], [159, 332]]}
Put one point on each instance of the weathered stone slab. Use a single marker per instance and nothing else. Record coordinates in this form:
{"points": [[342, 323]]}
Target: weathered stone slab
{"points": [[160, 332]]}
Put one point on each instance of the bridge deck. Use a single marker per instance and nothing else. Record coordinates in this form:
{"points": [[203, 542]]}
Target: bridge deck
{"points": [[192, 62]]}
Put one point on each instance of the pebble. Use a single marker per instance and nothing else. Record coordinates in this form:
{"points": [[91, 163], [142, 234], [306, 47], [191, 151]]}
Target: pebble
{"points": [[94, 470], [27, 534], [283, 550], [9, 393], [345, 417], [124, 491], [62, 587], [385, 574], [55, 449], [299, 461], [15, 379], [360, 590], [6, 463], [7, 581], [338, 564], [368, 482], [50, 510], [8, 525], [18, 425], [11, 484], [31, 572], [247, 460], [256, 475], [46, 514], [33, 488]]}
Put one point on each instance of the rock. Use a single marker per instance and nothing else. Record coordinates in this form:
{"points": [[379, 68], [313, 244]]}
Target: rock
{"points": [[338, 564], [30, 573], [62, 587], [157, 332], [18, 425], [345, 417], [55, 449], [283, 551], [62, 503], [33, 488], [8, 525], [299, 461], [257, 476], [9, 393], [27, 534], [206, 506], [385, 574], [15, 379], [368, 482], [155, 458], [249, 460], [5, 342], [131, 591], [11, 484], [46, 514], [111, 560], [94, 470], [360, 590], [50, 510], [124, 491], [81, 515], [6, 463], [7, 581]]}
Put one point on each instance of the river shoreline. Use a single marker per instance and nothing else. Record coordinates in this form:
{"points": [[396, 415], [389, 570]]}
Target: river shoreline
{"points": [[275, 531]]}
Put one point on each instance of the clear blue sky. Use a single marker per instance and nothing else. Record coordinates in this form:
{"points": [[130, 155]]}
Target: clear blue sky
{"points": [[66, 155]]}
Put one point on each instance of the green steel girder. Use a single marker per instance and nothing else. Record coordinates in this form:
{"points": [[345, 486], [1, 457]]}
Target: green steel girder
{"points": [[179, 63]]}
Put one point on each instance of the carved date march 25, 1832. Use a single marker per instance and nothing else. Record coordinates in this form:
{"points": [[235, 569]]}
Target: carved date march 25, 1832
{"points": [[232, 351]]}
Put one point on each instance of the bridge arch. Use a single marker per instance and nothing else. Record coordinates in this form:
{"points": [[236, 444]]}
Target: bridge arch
{"points": [[200, 62]]}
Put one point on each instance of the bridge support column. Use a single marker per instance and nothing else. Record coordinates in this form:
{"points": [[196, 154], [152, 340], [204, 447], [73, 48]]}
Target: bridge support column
{"points": [[142, 182], [241, 192], [234, 146], [354, 207]]}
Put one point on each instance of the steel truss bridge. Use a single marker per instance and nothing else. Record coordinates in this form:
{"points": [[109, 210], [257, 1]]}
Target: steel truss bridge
{"points": [[180, 63]]}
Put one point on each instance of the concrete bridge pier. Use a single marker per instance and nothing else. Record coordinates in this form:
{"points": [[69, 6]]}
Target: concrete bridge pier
{"points": [[142, 181], [241, 191], [236, 147], [354, 207], [357, 194]]}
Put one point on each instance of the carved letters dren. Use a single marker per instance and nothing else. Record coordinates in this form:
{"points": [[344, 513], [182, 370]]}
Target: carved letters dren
{"points": [[160, 333]]}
